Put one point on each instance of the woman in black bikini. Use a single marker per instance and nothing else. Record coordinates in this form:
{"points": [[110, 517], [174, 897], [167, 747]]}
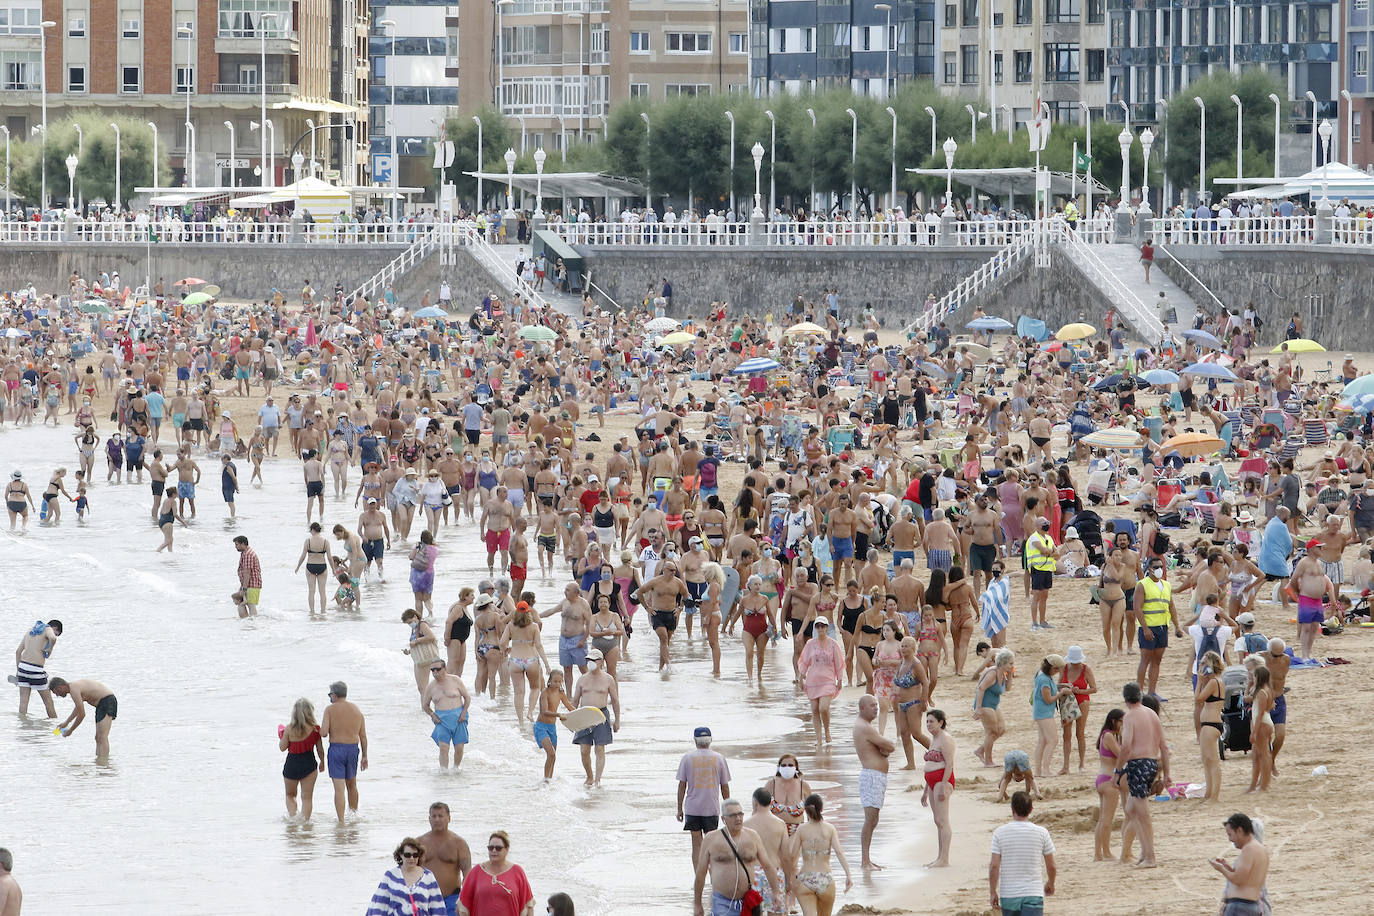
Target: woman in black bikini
{"points": [[852, 606], [316, 555], [1207, 702], [457, 629], [870, 632], [18, 499]]}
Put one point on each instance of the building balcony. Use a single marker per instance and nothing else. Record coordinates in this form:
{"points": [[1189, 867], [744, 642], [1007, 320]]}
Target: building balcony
{"points": [[552, 59], [248, 43], [256, 89]]}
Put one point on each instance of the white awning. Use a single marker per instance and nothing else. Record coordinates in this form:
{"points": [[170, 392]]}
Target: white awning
{"points": [[1014, 180], [568, 184]]}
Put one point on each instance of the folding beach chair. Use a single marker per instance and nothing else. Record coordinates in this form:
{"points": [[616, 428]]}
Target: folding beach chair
{"points": [[1314, 431]]}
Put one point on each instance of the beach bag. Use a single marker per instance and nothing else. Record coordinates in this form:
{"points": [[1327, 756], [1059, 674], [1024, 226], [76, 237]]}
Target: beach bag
{"points": [[419, 557]]}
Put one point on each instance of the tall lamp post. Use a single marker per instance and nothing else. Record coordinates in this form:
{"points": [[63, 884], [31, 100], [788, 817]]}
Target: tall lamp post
{"points": [[1201, 148], [757, 152], [478, 121], [500, 51], [811, 204], [1125, 138], [232, 150], [950, 147], [43, 96], [1088, 140], [4, 129], [887, 49], [1324, 131], [521, 119], [1349, 128], [730, 116], [119, 199], [389, 25], [648, 146], [190, 176], [931, 111], [1240, 149], [1164, 174], [539, 157], [1147, 140], [80, 152], [893, 112], [310, 123], [1312, 100], [1278, 105], [562, 138], [190, 165], [154, 169], [772, 161], [510, 181], [262, 89], [973, 122], [71, 180], [1011, 121], [853, 160]]}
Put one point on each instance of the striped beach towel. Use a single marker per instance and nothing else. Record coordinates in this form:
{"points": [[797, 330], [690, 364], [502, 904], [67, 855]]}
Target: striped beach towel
{"points": [[995, 606]]}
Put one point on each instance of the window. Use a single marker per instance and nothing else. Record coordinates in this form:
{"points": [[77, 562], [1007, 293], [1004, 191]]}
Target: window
{"points": [[1096, 60], [1355, 127], [1118, 29], [1023, 66], [1061, 63], [1361, 61], [76, 79], [1144, 28], [19, 69], [779, 41], [76, 28], [1064, 10], [21, 18], [739, 43], [639, 90], [968, 12], [132, 79], [639, 42], [968, 63], [689, 42], [951, 16], [246, 18], [1278, 23], [951, 68], [248, 73], [186, 80], [1023, 12], [808, 40], [673, 90], [997, 67], [1095, 10], [1361, 5], [129, 28]]}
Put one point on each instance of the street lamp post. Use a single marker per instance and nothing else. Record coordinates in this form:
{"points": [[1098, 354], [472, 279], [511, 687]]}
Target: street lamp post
{"points": [[1201, 148], [119, 199], [950, 147], [730, 116], [297, 163], [772, 161], [1312, 100], [389, 25], [521, 119], [1088, 182], [310, 123], [43, 96], [190, 164], [190, 176], [271, 151], [1147, 140], [1349, 128], [562, 138], [154, 128], [853, 160], [1126, 110], [1011, 125], [648, 146], [887, 48], [1324, 131], [893, 112], [510, 181], [1240, 149], [539, 157], [811, 204], [500, 51], [6, 131], [80, 151], [1278, 104], [262, 89], [1164, 176], [973, 122], [757, 152], [1125, 138], [232, 150], [71, 180], [931, 111], [478, 121]]}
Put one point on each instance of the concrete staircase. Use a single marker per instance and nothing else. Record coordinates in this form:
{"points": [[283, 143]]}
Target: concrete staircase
{"points": [[1116, 272], [509, 255]]}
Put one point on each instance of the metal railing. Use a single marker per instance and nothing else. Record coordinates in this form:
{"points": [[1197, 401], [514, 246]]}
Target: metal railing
{"points": [[1140, 315], [587, 282], [217, 232], [423, 244], [1267, 231], [995, 267], [495, 264], [1203, 286], [255, 88], [783, 233]]}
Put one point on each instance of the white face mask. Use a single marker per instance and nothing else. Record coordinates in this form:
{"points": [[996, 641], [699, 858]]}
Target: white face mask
{"points": [[593, 666], [1156, 573], [787, 772]]}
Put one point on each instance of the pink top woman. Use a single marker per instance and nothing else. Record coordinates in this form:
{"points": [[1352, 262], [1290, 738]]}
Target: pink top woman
{"points": [[821, 667]]}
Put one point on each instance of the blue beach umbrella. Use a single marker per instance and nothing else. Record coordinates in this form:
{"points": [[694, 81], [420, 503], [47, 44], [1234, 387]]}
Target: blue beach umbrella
{"points": [[1203, 337], [1160, 377], [757, 364], [1212, 370], [989, 323]]}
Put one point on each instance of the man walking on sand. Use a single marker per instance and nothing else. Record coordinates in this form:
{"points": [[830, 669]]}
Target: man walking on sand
{"points": [[1146, 765], [343, 725], [1014, 879], [1246, 876], [873, 750]]}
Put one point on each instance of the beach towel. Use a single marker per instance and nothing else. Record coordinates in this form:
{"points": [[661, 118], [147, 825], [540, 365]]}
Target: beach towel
{"points": [[995, 606]]}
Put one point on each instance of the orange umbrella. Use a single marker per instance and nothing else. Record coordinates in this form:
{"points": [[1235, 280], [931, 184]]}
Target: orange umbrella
{"points": [[1190, 445]]}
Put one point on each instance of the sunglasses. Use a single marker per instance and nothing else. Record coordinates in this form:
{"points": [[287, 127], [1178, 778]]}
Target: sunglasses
{"points": [[435, 670], [494, 848], [410, 855]]}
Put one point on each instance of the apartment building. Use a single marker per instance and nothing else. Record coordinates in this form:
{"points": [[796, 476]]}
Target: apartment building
{"points": [[1158, 47], [1356, 113], [811, 45], [227, 58], [1006, 54]]}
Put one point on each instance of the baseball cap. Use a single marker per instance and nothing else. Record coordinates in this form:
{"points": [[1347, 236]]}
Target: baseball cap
{"points": [[1246, 619], [701, 732], [1315, 542], [594, 655], [822, 621]]}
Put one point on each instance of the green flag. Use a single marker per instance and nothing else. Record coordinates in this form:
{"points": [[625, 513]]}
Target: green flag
{"points": [[1083, 162]]}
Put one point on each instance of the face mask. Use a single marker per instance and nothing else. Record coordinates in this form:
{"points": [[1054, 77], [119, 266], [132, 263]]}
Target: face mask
{"points": [[1156, 572], [605, 576], [593, 666], [696, 547], [787, 772]]}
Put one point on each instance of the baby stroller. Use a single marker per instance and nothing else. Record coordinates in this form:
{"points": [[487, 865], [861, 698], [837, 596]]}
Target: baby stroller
{"points": [[1235, 715], [882, 521], [1089, 525]]}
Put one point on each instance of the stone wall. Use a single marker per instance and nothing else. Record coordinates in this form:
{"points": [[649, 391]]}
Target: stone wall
{"points": [[241, 271], [1327, 286], [469, 279]]}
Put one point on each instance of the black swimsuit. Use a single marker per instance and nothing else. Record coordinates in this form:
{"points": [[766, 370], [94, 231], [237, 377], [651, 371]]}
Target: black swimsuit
{"points": [[849, 616], [461, 629]]}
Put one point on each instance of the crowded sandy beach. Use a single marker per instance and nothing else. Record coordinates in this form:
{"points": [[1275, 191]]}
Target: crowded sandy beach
{"points": [[485, 601]]}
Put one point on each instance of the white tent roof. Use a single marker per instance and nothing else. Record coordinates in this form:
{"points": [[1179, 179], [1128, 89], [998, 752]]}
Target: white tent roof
{"points": [[307, 188], [1343, 182]]}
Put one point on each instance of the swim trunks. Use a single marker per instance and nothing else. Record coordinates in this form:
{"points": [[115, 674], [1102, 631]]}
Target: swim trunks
{"points": [[374, 549], [572, 651], [343, 761], [108, 706], [1160, 641], [498, 540], [665, 619], [186, 490], [939, 559], [314, 488], [35, 677], [1309, 610], [1140, 775], [544, 730], [449, 730], [872, 788], [842, 548], [599, 734], [981, 557], [519, 573]]}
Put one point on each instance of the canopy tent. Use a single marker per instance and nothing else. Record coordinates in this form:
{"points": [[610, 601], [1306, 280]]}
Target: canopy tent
{"points": [[1014, 180], [1343, 182], [567, 184], [322, 199]]}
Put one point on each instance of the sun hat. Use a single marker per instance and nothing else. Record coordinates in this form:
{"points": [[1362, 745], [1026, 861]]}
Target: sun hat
{"points": [[1075, 656]]}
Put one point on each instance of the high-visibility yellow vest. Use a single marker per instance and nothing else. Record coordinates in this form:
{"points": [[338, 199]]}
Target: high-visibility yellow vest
{"points": [[1037, 557], [1155, 607]]}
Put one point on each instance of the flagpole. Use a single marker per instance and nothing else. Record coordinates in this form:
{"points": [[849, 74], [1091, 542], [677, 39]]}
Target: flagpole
{"points": [[1073, 181]]}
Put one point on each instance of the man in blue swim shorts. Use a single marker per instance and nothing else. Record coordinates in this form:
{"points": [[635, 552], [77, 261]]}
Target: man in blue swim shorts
{"points": [[450, 701], [597, 688], [446, 855], [842, 523], [344, 727]]}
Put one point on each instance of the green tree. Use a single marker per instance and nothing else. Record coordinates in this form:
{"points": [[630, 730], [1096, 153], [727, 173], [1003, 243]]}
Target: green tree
{"points": [[95, 172], [1253, 87], [496, 139]]}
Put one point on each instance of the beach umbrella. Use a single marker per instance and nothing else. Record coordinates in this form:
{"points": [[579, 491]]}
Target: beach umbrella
{"points": [[1211, 370], [1112, 381], [757, 364], [537, 332], [662, 325], [1159, 377], [1203, 337], [211, 290], [1361, 403], [989, 323], [348, 329], [976, 350], [930, 368], [677, 337], [1076, 331], [189, 281], [1221, 359], [16, 332], [1299, 345], [1362, 385], [95, 307], [806, 327], [1115, 437], [196, 299], [1190, 445], [1053, 346], [431, 311]]}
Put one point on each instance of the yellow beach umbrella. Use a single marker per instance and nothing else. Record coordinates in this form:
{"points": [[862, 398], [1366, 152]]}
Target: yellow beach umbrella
{"points": [[1190, 445], [806, 327], [678, 337], [1076, 331], [1299, 345]]}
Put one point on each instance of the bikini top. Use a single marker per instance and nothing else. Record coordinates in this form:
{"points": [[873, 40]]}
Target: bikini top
{"points": [[934, 757], [874, 631], [905, 678], [779, 808], [1104, 753]]}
